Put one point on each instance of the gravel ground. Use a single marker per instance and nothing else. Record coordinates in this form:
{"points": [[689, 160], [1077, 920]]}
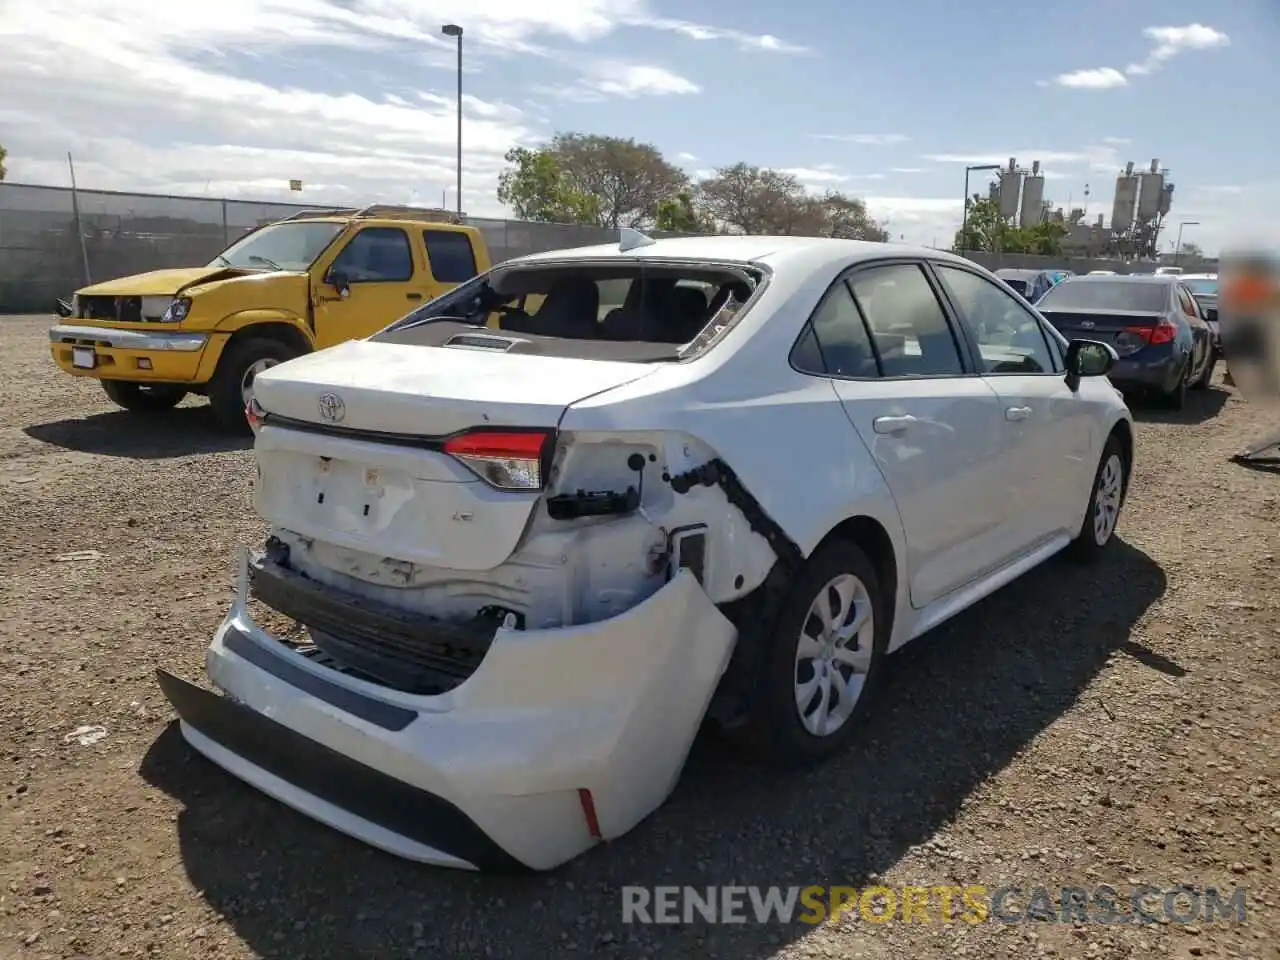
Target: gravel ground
{"points": [[1115, 724]]}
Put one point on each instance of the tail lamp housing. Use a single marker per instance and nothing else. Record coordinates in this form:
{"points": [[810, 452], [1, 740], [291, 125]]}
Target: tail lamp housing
{"points": [[505, 458]]}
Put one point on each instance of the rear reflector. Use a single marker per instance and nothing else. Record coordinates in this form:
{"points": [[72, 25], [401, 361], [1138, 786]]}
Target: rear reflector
{"points": [[506, 459], [589, 813]]}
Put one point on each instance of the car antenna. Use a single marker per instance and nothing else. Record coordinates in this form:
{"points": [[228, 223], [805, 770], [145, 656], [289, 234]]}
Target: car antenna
{"points": [[629, 239]]}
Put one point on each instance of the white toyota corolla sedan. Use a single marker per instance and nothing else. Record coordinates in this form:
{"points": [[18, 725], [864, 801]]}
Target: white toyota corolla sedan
{"points": [[544, 525]]}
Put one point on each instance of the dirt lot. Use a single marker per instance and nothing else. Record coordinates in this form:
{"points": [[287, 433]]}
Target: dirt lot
{"points": [[1112, 725]]}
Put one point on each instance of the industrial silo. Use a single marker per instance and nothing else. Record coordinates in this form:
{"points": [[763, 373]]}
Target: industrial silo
{"points": [[1126, 199]]}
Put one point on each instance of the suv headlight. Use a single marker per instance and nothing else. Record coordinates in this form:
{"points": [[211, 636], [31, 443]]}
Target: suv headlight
{"points": [[177, 311]]}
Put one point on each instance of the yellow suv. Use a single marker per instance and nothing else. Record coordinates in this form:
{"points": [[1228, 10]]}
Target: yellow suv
{"points": [[285, 289]]}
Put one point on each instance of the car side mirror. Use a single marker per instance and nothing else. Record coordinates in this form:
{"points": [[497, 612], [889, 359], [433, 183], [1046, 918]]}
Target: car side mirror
{"points": [[1089, 358], [340, 282]]}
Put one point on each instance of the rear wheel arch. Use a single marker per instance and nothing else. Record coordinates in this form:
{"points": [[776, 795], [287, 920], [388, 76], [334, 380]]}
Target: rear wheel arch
{"points": [[874, 540]]}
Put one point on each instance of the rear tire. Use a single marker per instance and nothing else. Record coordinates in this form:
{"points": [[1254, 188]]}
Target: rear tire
{"points": [[1177, 399], [840, 667], [143, 397], [1106, 497], [239, 365]]}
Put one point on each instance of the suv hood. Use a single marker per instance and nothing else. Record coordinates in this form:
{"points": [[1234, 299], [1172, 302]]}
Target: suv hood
{"points": [[160, 283], [434, 391]]}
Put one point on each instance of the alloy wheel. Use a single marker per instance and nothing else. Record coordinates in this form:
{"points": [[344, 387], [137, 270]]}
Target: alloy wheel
{"points": [[833, 656]]}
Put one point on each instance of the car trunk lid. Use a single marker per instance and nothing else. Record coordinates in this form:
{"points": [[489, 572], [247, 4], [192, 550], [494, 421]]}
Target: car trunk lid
{"points": [[1105, 324], [355, 446]]}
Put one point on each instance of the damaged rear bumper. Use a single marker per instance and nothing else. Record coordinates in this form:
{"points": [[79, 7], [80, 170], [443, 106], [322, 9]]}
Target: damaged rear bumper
{"points": [[559, 739]]}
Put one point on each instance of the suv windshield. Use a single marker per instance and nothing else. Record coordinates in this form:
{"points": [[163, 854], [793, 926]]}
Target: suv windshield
{"points": [[1143, 296], [640, 312], [280, 246], [1202, 287]]}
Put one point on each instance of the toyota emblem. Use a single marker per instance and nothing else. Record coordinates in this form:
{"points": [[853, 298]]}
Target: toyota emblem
{"points": [[332, 408], [1087, 324]]}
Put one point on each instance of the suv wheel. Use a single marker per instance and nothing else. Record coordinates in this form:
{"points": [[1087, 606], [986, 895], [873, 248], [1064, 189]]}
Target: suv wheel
{"points": [[144, 397], [823, 660], [232, 385]]}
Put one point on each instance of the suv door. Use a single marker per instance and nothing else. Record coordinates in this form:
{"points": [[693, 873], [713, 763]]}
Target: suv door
{"points": [[1046, 444], [884, 340], [381, 270]]}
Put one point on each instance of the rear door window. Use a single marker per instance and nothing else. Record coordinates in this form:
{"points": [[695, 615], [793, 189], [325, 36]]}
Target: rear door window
{"points": [[452, 258], [908, 326]]}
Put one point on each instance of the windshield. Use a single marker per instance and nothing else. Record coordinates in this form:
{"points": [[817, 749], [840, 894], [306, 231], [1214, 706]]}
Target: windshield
{"points": [[640, 312], [1143, 296], [293, 245], [1203, 288]]}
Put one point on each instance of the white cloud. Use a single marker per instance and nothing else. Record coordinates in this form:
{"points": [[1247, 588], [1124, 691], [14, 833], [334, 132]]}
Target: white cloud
{"points": [[686, 157], [816, 176], [1101, 78], [906, 169], [698, 31], [626, 80], [1225, 189], [1117, 141], [190, 97], [866, 139], [1103, 156], [1168, 42], [925, 221]]}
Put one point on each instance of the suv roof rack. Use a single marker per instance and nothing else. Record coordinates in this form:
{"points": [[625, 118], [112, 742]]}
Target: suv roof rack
{"points": [[386, 211]]}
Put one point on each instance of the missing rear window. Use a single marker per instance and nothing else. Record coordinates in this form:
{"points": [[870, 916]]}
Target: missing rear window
{"points": [[640, 312]]}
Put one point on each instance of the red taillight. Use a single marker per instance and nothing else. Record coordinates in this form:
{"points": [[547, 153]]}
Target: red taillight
{"points": [[1163, 332], [254, 413], [507, 459]]}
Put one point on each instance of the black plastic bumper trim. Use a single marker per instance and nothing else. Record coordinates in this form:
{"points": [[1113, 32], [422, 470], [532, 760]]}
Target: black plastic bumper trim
{"points": [[337, 779], [388, 716]]}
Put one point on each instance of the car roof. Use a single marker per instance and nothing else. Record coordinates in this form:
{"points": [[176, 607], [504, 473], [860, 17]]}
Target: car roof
{"points": [[806, 253], [1199, 276], [1011, 273]]}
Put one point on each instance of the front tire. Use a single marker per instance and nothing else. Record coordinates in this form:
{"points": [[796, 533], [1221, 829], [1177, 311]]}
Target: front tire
{"points": [[143, 397], [230, 390], [822, 663], [1105, 500]]}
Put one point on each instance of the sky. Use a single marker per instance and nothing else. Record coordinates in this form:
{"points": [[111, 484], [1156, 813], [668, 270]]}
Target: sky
{"points": [[887, 100]]}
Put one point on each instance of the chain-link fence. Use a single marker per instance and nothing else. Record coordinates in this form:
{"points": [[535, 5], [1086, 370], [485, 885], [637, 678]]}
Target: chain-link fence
{"points": [[44, 256]]}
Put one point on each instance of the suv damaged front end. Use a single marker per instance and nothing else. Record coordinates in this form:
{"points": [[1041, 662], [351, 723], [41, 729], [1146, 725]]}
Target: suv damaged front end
{"points": [[513, 632]]}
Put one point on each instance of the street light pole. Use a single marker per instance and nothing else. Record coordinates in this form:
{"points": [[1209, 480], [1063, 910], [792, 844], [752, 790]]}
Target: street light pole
{"points": [[1177, 247], [453, 30], [964, 217]]}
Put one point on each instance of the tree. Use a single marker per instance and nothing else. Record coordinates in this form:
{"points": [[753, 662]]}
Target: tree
{"points": [[1190, 250], [749, 199], [628, 180], [583, 178], [3, 153], [847, 218], [987, 230], [680, 214], [535, 188]]}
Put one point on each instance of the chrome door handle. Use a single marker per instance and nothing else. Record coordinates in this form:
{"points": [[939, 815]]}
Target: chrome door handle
{"points": [[1015, 414], [892, 424]]}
